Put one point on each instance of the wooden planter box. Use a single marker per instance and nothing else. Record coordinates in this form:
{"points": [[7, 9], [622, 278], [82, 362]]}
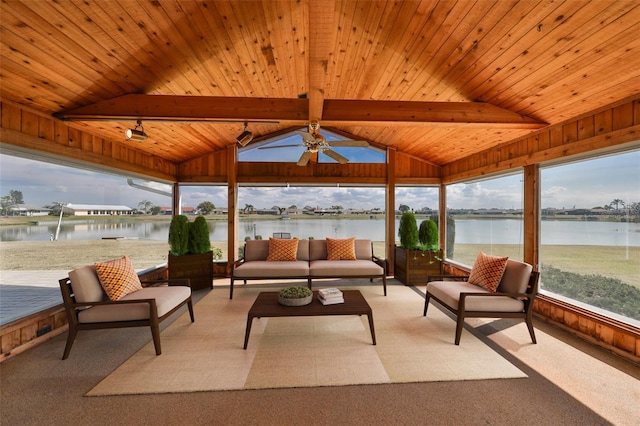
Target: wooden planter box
{"points": [[197, 267], [413, 266]]}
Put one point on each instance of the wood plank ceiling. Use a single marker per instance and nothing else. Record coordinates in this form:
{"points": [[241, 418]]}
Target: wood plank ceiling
{"points": [[438, 80]]}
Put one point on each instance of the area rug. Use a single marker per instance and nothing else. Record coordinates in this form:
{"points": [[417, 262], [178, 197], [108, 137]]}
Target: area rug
{"points": [[208, 355]]}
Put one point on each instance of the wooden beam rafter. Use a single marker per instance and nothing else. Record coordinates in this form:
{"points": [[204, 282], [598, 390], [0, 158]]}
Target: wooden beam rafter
{"points": [[190, 108], [334, 111], [358, 111]]}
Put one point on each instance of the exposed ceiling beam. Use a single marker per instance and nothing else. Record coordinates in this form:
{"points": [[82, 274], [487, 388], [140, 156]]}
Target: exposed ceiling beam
{"points": [[355, 111], [336, 112], [190, 108]]}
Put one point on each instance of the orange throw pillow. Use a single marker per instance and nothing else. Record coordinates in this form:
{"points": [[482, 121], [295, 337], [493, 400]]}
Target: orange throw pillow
{"points": [[341, 249], [118, 278], [487, 271], [282, 250]]}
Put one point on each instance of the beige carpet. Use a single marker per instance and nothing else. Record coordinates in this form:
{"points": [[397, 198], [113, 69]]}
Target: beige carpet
{"points": [[305, 351]]}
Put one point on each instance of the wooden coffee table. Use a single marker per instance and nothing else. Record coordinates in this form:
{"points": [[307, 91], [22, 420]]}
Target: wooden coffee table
{"points": [[266, 305]]}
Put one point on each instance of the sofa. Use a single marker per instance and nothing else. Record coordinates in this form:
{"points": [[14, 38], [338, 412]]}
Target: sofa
{"points": [[310, 260]]}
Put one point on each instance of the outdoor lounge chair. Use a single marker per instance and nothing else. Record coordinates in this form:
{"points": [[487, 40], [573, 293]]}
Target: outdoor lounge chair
{"points": [[89, 308], [513, 298]]}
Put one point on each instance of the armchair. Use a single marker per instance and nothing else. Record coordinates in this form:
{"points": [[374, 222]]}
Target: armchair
{"points": [[513, 298], [88, 307]]}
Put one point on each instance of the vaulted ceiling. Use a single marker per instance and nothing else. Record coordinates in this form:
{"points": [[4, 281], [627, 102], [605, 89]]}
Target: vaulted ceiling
{"points": [[439, 80]]}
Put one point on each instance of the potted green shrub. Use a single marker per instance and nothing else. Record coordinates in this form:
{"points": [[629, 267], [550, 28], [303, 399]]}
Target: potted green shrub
{"points": [[190, 254], [418, 254]]}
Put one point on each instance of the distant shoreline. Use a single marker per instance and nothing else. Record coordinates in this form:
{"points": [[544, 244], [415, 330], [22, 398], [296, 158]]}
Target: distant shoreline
{"points": [[50, 220]]}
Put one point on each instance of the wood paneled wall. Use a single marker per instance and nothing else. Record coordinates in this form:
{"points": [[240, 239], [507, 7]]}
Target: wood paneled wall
{"points": [[614, 126], [38, 133]]}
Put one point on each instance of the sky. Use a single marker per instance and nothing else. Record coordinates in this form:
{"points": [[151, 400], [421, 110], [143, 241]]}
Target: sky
{"points": [[584, 184]]}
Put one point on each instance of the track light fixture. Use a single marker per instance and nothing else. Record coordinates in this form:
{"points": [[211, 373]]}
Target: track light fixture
{"points": [[137, 133], [245, 137]]}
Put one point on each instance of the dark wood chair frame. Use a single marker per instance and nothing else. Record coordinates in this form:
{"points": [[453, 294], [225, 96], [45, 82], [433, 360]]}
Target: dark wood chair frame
{"points": [[72, 309], [461, 313]]}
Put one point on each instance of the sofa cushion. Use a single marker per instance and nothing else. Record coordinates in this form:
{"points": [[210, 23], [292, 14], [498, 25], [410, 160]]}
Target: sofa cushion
{"points": [[86, 285], [487, 271], [364, 250], [516, 277], [449, 293], [282, 250], [256, 250], [318, 249], [341, 249], [118, 278], [344, 268], [166, 298], [296, 268]]}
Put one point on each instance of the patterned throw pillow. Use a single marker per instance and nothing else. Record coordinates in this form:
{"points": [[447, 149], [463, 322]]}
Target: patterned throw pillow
{"points": [[118, 278], [487, 271], [341, 249], [282, 250]]}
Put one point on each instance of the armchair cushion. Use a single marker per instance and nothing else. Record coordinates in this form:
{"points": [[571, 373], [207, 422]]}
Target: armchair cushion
{"points": [[487, 271], [86, 285], [343, 249], [118, 278], [449, 293], [515, 278], [166, 299]]}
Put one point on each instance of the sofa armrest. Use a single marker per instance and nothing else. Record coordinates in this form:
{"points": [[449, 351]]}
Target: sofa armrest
{"points": [[447, 278], [380, 262]]}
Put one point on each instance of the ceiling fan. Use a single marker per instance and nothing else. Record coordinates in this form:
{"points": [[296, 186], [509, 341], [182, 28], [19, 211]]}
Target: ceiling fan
{"points": [[315, 142]]}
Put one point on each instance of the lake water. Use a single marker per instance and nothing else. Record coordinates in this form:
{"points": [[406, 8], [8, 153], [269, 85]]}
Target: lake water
{"points": [[468, 231]]}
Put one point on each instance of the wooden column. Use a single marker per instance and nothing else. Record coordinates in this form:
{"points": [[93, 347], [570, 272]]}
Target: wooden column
{"points": [[175, 200], [531, 217], [442, 218], [232, 214], [390, 202]]}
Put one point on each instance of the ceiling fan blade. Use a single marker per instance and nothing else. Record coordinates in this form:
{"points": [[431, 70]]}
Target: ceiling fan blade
{"points": [[339, 158], [279, 146], [306, 137], [348, 143], [304, 158]]}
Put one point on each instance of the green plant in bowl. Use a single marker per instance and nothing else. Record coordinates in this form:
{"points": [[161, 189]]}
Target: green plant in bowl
{"points": [[295, 296], [296, 292]]}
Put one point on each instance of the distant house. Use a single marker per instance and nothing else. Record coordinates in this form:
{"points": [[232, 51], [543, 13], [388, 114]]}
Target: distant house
{"points": [[28, 210], [95, 210], [168, 211]]}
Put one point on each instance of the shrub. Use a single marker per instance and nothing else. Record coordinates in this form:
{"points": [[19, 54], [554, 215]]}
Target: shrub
{"points": [[408, 231], [600, 291], [217, 252], [199, 236], [179, 235], [428, 234]]}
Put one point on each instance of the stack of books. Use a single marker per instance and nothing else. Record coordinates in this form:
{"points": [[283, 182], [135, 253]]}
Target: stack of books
{"points": [[330, 296]]}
